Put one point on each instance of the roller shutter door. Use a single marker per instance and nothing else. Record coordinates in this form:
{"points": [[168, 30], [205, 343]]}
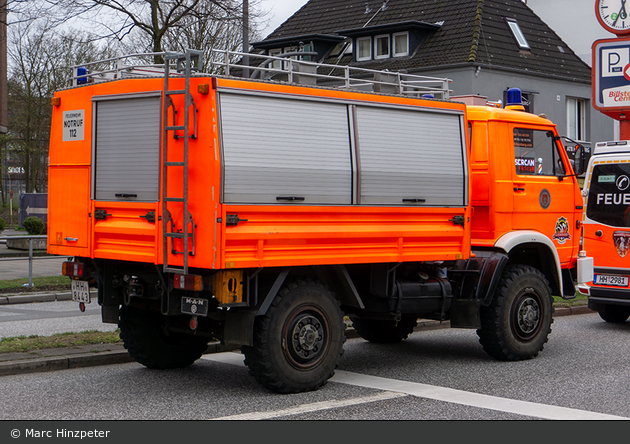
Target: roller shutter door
{"points": [[127, 149], [410, 157], [281, 150]]}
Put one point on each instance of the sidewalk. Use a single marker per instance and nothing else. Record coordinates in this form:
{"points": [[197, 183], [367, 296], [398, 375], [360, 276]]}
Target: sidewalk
{"points": [[106, 354]]}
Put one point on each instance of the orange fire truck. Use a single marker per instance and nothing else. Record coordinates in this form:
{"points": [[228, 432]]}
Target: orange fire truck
{"points": [[259, 212], [607, 231]]}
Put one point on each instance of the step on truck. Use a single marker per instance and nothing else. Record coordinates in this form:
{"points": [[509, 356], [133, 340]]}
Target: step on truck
{"points": [[261, 212], [605, 279]]}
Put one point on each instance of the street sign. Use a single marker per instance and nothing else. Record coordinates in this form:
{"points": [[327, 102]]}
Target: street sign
{"points": [[611, 76]]}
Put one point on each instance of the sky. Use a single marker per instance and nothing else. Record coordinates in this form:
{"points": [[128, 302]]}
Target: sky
{"points": [[280, 11], [579, 30]]}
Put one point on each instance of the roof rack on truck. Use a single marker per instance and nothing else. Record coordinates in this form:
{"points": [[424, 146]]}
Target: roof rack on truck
{"points": [[287, 68]]}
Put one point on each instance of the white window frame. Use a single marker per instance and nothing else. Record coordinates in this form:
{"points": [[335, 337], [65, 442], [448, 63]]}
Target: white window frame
{"points": [[376, 46], [517, 33], [400, 34], [288, 49], [576, 118], [369, 46], [276, 64]]}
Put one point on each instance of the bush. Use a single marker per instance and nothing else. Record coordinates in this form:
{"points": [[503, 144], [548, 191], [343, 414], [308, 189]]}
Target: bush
{"points": [[3, 225], [34, 225]]}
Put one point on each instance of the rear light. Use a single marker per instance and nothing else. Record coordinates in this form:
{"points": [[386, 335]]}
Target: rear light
{"points": [[72, 269], [188, 282]]}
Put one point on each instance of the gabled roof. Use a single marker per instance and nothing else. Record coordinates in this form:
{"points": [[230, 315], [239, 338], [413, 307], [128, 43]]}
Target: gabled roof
{"points": [[473, 32]]}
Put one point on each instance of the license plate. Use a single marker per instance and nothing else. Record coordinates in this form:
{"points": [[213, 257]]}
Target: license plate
{"points": [[81, 291], [605, 279], [195, 306]]}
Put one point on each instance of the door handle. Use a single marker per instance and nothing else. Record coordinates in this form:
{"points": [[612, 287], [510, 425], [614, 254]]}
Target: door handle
{"points": [[519, 189]]}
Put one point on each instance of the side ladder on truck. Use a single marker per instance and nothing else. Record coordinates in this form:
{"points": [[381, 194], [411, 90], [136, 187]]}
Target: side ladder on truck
{"points": [[185, 64]]}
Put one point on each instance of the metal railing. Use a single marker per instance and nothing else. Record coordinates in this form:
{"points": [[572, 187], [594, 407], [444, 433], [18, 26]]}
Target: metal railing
{"points": [[30, 257], [288, 67]]}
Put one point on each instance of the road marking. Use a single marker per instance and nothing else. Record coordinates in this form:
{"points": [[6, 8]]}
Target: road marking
{"points": [[461, 397], [533, 409], [314, 407]]}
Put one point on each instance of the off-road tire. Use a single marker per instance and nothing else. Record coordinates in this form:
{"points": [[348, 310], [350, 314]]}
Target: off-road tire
{"points": [[384, 332], [149, 343], [298, 342], [615, 314], [516, 324]]}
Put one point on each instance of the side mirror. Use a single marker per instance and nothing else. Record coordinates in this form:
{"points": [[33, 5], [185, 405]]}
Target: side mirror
{"points": [[579, 166]]}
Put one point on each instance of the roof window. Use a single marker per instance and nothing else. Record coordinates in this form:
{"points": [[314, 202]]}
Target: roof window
{"points": [[517, 33]]}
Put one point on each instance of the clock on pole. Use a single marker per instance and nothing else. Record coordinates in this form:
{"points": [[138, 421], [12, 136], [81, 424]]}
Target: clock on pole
{"points": [[614, 15]]}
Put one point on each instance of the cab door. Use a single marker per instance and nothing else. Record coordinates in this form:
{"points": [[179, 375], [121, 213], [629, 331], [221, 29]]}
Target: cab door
{"points": [[545, 196]]}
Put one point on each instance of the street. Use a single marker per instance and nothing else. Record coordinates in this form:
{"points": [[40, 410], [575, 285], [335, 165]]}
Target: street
{"points": [[49, 318], [434, 375]]}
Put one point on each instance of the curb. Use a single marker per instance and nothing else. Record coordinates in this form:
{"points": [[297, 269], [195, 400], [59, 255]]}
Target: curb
{"points": [[53, 363], [13, 299]]}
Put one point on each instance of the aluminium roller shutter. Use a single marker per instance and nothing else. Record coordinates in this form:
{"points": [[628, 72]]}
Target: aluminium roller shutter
{"points": [[127, 149], [411, 155], [284, 148]]}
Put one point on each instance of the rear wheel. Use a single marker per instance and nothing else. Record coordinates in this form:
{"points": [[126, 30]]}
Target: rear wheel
{"points": [[298, 342], [615, 314], [148, 341], [384, 332], [517, 323]]}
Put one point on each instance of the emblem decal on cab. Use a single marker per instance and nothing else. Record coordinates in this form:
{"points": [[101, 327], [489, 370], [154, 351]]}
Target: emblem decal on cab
{"points": [[544, 199], [622, 242], [562, 231]]}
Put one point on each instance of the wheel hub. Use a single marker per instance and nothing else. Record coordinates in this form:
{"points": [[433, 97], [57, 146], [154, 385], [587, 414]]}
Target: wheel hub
{"points": [[307, 336], [528, 315]]}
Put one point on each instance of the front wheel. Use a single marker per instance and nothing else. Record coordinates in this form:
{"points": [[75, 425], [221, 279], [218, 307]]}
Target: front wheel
{"points": [[615, 314], [298, 342], [517, 323]]}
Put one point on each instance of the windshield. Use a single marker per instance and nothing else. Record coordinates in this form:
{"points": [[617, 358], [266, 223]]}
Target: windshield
{"points": [[609, 195]]}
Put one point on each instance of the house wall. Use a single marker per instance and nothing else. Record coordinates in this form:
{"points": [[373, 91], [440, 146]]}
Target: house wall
{"points": [[492, 82]]}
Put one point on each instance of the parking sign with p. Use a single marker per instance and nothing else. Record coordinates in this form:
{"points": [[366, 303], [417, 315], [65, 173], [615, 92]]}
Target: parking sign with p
{"points": [[611, 75]]}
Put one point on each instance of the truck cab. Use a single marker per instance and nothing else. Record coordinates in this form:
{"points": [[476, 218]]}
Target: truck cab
{"points": [[606, 228], [525, 196]]}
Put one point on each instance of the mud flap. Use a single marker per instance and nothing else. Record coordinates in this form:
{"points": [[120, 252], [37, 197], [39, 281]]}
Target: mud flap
{"points": [[568, 284], [110, 314], [465, 313], [239, 327]]}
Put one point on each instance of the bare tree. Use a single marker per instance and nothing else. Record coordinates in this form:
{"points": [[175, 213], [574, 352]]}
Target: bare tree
{"points": [[40, 63], [26, 11], [224, 32], [154, 18]]}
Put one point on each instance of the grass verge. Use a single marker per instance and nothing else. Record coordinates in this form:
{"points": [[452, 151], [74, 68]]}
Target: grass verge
{"points": [[580, 299], [50, 283], [31, 343]]}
